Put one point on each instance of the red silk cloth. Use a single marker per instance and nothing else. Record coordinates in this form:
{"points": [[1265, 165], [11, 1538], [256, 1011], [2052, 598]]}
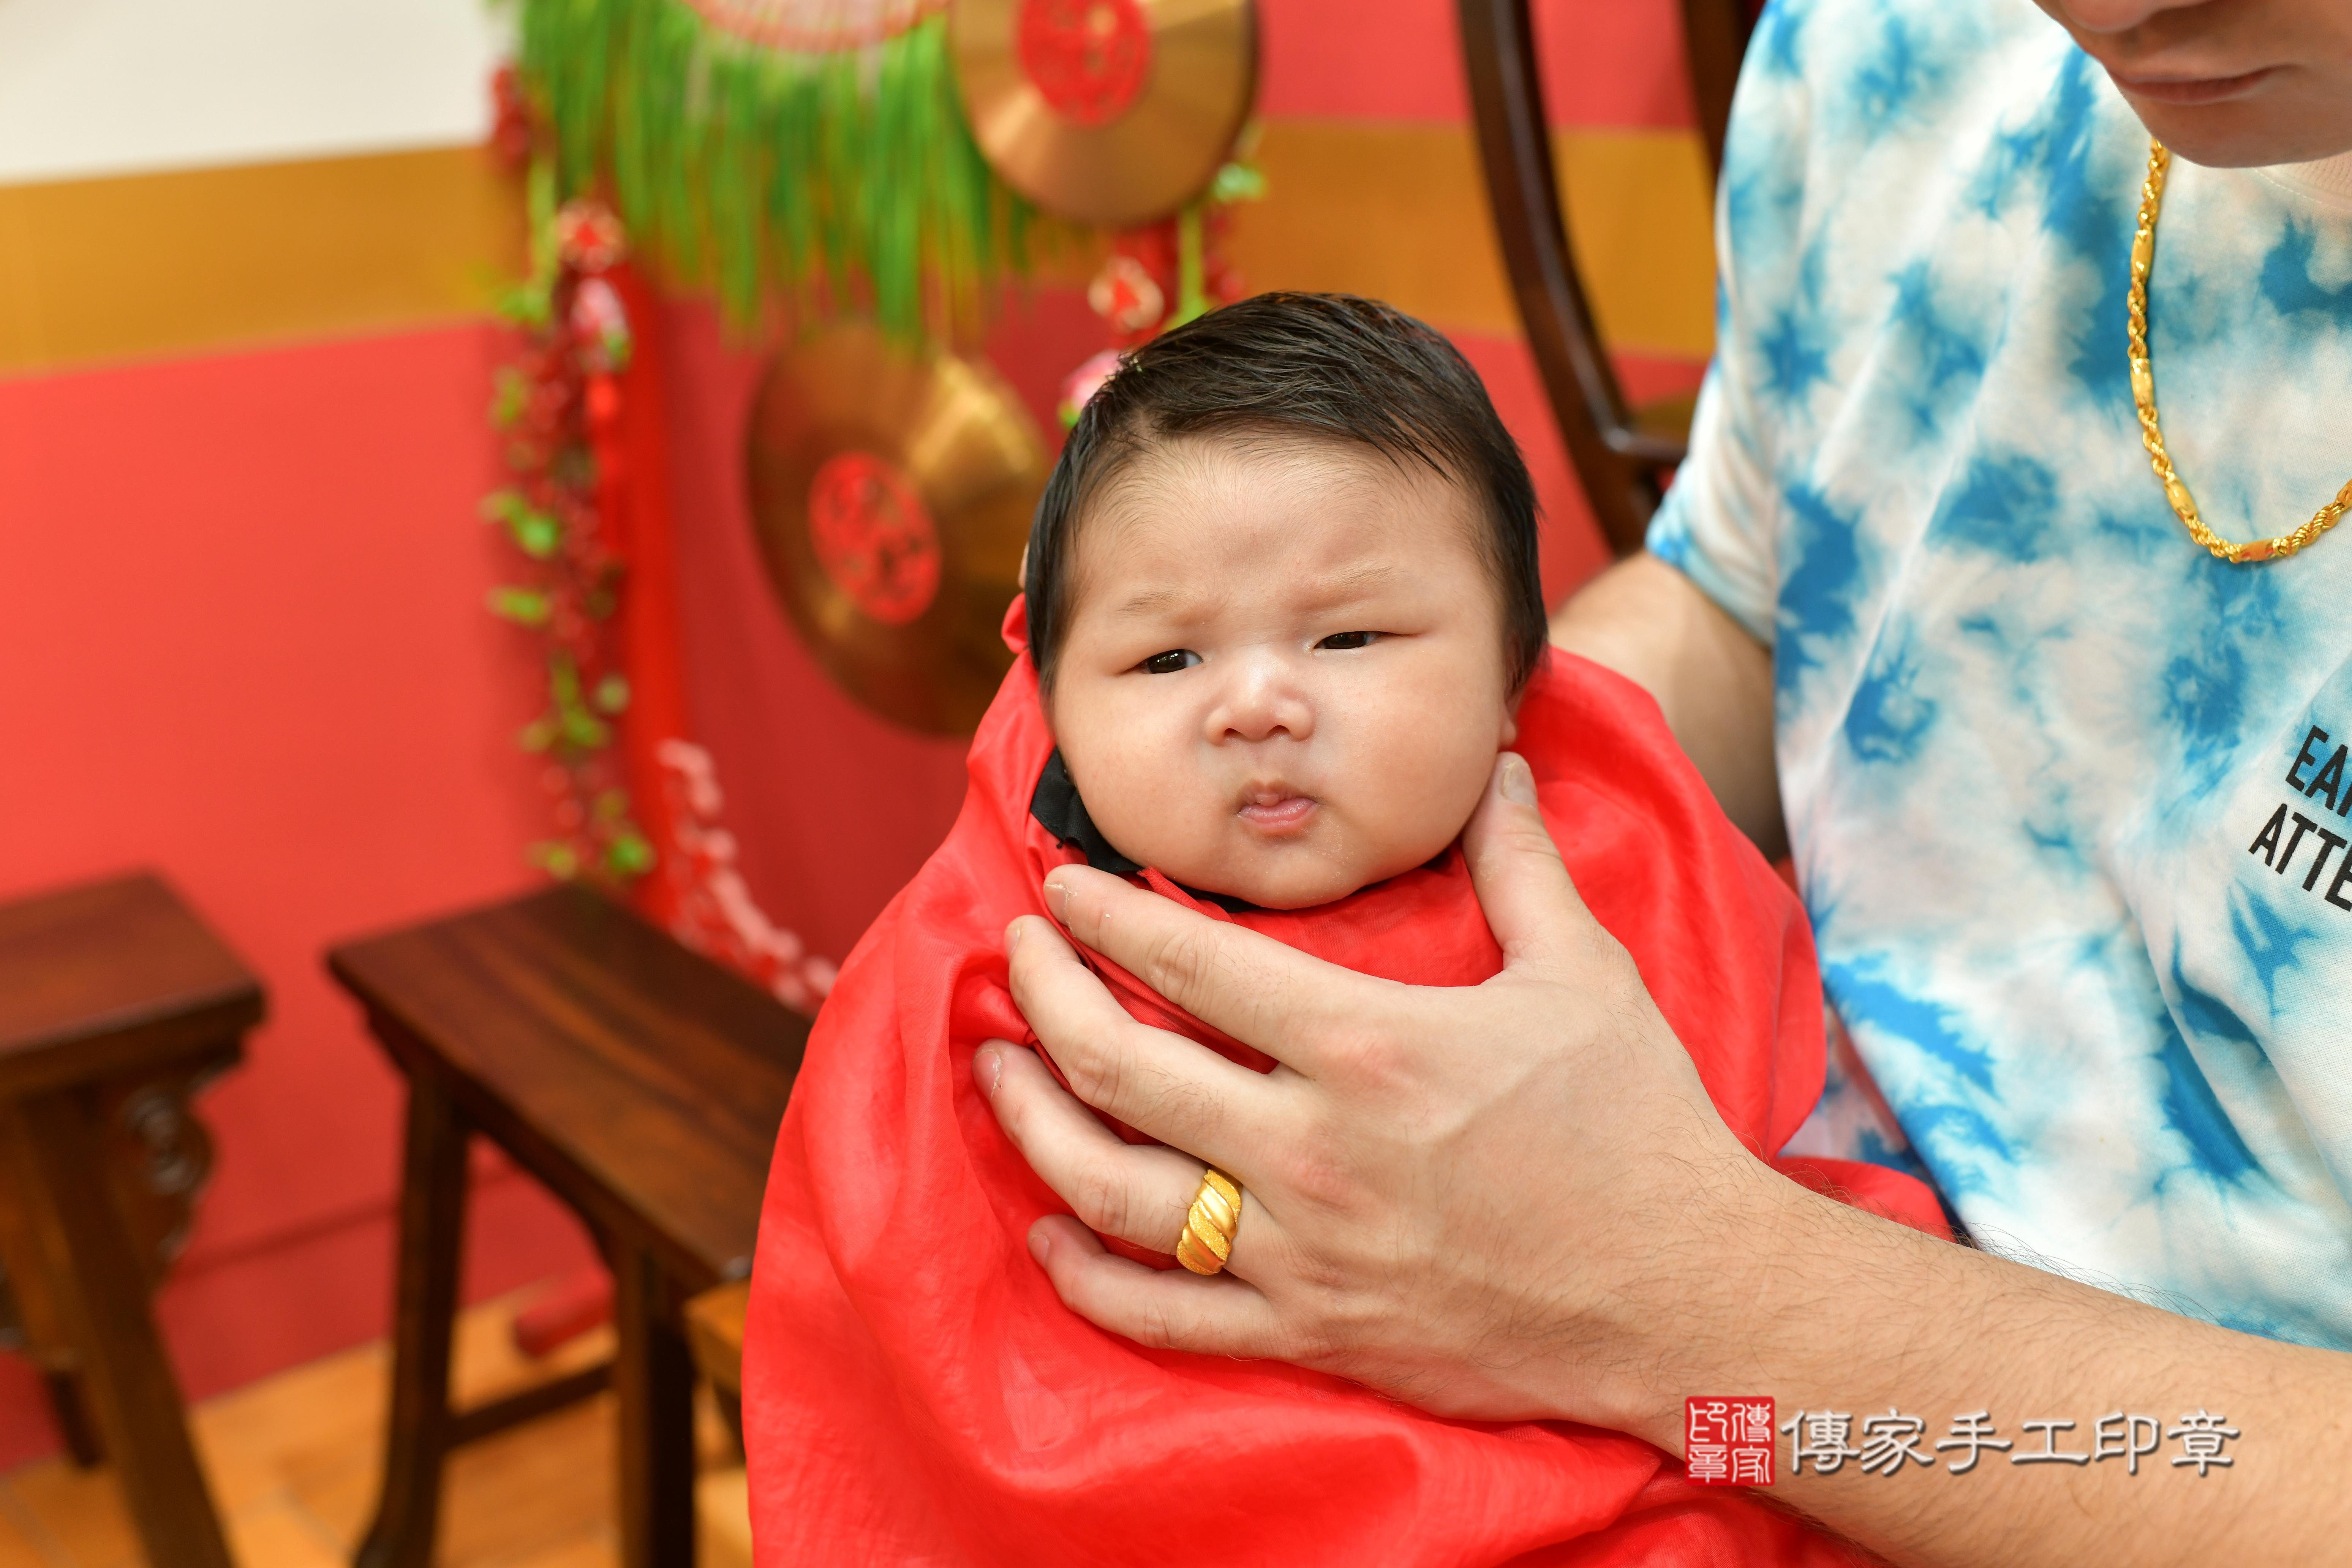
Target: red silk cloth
{"points": [[914, 1391]]}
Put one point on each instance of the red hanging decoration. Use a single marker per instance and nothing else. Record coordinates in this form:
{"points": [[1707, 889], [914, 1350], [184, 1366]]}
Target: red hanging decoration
{"points": [[586, 505], [1161, 276], [560, 407]]}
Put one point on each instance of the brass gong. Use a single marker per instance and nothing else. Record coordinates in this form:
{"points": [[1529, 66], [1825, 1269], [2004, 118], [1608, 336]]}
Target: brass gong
{"points": [[891, 492], [1114, 113]]}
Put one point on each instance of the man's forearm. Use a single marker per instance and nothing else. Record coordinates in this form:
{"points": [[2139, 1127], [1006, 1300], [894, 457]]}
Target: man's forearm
{"points": [[1837, 1313], [1713, 682]]}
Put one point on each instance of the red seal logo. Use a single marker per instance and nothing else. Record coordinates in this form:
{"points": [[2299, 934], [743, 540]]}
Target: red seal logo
{"points": [[1727, 1442], [1088, 57], [873, 538]]}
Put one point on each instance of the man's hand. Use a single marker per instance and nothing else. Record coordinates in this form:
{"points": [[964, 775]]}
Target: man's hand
{"points": [[1515, 1200], [1454, 1195]]}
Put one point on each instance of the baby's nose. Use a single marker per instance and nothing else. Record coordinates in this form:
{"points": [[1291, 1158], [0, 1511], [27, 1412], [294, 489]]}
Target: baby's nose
{"points": [[1261, 703]]}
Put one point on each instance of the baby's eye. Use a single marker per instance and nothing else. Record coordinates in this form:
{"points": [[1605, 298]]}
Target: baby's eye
{"points": [[1348, 640], [1169, 663]]}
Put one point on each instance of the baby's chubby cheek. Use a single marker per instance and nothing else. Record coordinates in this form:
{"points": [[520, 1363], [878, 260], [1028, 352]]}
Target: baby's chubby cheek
{"points": [[1153, 798], [1154, 805]]}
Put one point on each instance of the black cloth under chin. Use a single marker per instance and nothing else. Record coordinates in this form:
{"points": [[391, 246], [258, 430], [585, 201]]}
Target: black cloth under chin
{"points": [[1059, 810]]}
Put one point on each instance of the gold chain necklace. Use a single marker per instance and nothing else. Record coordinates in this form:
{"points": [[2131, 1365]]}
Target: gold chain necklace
{"points": [[2143, 381]]}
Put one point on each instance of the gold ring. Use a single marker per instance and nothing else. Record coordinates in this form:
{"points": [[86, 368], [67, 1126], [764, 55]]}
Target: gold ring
{"points": [[1207, 1239]]}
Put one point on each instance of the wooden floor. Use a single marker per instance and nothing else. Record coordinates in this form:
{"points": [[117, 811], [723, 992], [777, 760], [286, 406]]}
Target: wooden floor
{"points": [[293, 1463]]}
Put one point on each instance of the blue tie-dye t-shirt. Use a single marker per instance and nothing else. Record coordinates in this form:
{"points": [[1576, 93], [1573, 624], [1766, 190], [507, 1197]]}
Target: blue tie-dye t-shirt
{"points": [[2068, 796]]}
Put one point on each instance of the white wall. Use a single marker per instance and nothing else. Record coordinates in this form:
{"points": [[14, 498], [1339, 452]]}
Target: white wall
{"points": [[111, 87]]}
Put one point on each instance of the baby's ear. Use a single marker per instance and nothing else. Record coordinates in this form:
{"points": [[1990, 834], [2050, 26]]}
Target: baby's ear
{"points": [[1020, 573]]}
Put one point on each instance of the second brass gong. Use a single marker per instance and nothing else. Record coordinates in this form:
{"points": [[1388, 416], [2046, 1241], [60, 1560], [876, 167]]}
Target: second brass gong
{"points": [[891, 492]]}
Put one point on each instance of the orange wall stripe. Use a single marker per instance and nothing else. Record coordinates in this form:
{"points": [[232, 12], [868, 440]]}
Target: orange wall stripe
{"points": [[1397, 211], [145, 265], [203, 260]]}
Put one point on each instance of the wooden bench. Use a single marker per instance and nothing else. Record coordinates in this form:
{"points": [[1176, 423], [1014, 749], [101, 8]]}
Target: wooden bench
{"points": [[643, 1085], [116, 1007]]}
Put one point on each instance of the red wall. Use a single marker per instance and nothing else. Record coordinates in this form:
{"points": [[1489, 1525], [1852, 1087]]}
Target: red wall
{"points": [[242, 629], [1605, 62], [242, 641]]}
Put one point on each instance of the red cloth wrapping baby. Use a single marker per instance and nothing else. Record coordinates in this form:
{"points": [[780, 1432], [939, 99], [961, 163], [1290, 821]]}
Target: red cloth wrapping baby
{"points": [[914, 1391]]}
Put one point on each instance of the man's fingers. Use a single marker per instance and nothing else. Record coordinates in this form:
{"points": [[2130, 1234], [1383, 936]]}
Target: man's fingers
{"points": [[1166, 1310], [1173, 1089], [1137, 1193], [1250, 986], [1531, 903]]}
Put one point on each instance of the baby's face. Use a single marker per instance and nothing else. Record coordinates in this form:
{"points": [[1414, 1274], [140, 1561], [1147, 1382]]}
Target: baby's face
{"points": [[1284, 674]]}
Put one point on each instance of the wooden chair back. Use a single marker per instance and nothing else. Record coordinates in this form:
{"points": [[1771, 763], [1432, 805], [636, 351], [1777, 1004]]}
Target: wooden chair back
{"points": [[1621, 453]]}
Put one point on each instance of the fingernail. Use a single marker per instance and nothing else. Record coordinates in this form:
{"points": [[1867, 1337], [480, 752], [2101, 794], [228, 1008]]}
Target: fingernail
{"points": [[986, 1068], [1040, 1244], [1011, 938], [1518, 780], [1058, 895]]}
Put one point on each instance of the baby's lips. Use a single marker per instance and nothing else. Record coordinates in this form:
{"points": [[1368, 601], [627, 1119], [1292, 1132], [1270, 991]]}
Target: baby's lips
{"points": [[1268, 792], [1286, 815]]}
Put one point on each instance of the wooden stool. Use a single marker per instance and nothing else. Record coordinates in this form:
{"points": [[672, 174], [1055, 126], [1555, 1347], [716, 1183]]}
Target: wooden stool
{"points": [[116, 1006], [643, 1085]]}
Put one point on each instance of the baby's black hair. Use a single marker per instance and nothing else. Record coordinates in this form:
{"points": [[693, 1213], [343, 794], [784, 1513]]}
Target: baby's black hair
{"points": [[1321, 365]]}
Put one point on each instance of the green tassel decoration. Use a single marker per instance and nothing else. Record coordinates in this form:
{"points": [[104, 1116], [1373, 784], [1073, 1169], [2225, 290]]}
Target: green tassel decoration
{"points": [[846, 181]]}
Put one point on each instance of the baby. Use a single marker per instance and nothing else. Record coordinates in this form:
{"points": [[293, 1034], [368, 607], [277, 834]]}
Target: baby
{"points": [[1283, 599], [1281, 612]]}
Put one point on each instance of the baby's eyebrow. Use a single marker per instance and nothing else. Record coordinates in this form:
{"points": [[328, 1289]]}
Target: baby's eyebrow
{"points": [[1336, 587], [1150, 601], [1353, 582]]}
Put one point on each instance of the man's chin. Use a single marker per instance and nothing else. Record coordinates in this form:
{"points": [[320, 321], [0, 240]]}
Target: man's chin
{"points": [[2250, 133]]}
